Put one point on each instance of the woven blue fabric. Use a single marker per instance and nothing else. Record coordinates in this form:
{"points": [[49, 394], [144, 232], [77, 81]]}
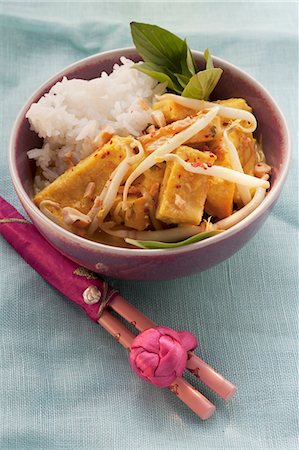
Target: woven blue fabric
{"points": [[64, 382]]}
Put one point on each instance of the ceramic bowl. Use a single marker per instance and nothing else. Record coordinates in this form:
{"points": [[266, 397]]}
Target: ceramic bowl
{"points": [[138, 264]]}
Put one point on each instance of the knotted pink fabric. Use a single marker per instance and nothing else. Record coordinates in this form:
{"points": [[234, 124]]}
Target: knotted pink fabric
{"points": [[159, 355]]}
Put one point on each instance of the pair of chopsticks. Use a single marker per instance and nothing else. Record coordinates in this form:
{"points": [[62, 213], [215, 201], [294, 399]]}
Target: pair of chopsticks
{"points": [[201, 370], [85, 289]]}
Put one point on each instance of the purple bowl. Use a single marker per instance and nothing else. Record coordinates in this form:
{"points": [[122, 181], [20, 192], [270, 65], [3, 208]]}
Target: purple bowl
{"points": [[137, 264]]}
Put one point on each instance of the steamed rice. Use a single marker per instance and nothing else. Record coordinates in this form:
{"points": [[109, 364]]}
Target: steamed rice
{"points": [[73, 113]]}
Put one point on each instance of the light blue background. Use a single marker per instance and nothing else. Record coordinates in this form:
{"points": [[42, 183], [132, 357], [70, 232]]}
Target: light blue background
{"points": [[64, 382]]}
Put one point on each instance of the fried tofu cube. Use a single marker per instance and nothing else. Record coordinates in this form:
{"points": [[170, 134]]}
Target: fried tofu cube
{"points": [[159, 137], [137, 214], [220, 197], [209, 133], [183, 194], [78, 186], [151, 176], [239, 103], [245, 145], [173, 111]]}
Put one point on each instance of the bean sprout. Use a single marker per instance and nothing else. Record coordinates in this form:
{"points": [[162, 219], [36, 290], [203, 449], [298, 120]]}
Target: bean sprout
{"points": [[218, 171], [224, 111], [173, 143]]}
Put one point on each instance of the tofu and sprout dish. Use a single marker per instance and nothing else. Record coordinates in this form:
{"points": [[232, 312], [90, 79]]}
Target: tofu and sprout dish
{"points": [[144, 163]]}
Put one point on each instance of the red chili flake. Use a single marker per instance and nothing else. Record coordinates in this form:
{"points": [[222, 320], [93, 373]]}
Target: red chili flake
{"points": [[199, 164], [179, 175], [178, 186], [209, 164], [146, 210], [207, 135]]}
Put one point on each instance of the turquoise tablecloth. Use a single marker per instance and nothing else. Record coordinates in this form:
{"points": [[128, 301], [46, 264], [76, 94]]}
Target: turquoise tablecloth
{"points": [[64, 382]]}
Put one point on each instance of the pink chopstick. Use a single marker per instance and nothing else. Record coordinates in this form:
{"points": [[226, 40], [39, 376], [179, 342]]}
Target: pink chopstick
{"points": [[195, 365], [92, 294], [184, 391]]}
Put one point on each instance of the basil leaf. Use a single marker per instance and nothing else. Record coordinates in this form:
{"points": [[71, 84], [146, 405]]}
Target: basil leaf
{"points": [[173, 77], [188, 241], [169, 59], [158, 74], [188, 65], [202, 84], [193, 67], [157, 45], [182, 79], [208, 58]]}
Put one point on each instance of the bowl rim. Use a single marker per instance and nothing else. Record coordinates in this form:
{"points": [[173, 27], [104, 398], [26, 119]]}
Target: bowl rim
{"points": [[270, 198]]}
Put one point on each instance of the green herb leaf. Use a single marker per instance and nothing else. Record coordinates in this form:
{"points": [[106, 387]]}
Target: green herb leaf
{"points": [[182, 79], [157, 45], [168, 58], [158, 74], [188, 65], [191, 62], [202, 84], [157, 244], [208, 58]]}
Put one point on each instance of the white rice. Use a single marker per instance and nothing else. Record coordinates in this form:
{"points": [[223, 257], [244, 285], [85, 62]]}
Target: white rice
{"points": [[73, 113]]}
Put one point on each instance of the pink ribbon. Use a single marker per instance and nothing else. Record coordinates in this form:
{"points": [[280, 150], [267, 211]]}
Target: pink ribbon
{"points": [[159, 355], [65, 275]]}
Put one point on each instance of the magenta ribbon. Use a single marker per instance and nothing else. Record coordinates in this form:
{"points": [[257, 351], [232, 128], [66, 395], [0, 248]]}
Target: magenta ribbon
{"points": [[62, 273], [159, 355]]}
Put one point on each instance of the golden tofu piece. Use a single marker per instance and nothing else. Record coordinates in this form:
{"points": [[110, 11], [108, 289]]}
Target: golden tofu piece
{"points": [[151, 176], [137, 214], [152, 141], [245, 145], [238, 103], [173, 111], [156, 139], [209, 133], [183, 194], [116, 212], [220, 196], [78, 186]]}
